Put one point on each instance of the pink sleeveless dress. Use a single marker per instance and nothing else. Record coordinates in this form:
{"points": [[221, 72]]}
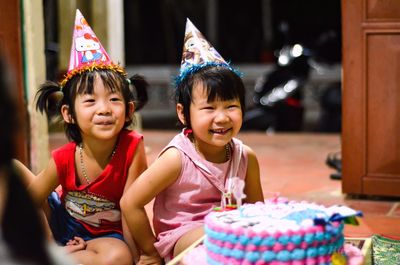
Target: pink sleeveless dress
{"points": [[183, 205]]}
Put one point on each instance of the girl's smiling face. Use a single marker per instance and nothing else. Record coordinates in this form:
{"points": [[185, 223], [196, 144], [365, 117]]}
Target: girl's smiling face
{"points": [[100, 114], [213, 123]]}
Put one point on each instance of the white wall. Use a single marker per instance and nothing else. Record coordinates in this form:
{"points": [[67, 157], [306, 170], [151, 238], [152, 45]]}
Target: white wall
{"points": [[35, 74]]}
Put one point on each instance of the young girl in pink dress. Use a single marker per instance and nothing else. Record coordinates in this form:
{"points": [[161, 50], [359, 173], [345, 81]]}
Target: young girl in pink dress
{"points": [[192, 174]]}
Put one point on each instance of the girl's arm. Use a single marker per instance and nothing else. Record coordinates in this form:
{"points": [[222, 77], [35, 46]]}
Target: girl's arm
{"points": [[162, 173], [139, 164], [26, 175], [40, 186], [252, 187], [44, 183]]}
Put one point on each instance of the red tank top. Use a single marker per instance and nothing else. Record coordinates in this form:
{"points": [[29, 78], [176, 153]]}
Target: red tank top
{"points": [[96, 205]]}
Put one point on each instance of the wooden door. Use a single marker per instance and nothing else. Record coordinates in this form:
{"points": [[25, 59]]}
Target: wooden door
{"points": [[10, 46], [371, 97]]}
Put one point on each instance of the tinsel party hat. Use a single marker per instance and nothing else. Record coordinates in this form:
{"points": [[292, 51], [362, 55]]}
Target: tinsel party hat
{"points": [[197, 53], [87, 53]]}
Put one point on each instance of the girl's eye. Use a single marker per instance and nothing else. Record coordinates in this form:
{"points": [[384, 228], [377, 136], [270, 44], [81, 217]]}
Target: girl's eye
{"points": [[88, 100], [233, 106], [115, 97], [207, 108]]}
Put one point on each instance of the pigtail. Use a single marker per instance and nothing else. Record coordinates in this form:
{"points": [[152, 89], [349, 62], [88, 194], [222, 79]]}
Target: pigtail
{"points": [[140, 85], [48, 99]]}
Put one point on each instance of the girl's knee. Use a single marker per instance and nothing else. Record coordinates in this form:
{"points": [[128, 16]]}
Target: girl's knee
{"points": [[108, 251], [119, 256], [187, 239]]}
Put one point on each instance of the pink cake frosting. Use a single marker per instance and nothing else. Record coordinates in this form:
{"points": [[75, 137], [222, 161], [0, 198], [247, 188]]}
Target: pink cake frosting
{"points": [[276, 233]]}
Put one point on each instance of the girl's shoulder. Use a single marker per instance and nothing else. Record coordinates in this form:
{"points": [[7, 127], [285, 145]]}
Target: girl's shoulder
{"points": [[168, 165], [248, 149], [177, 143], [129, 138], [125, 133], [64, 154], [171, 153], [65, 148], [249, 152]]}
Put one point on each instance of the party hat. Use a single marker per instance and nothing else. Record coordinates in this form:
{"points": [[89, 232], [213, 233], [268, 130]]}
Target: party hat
{"points": [[197, 53], [87, 53]]}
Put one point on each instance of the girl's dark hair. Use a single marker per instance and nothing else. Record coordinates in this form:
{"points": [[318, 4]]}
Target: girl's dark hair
{"points": [[21, 226], [51, 97], [220, 82]]}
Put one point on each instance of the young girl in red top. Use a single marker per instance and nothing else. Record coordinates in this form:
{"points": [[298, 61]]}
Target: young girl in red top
{"points": [[95, 169]]}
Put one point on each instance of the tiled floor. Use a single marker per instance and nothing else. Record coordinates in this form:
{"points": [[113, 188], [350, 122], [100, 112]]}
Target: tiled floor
{"points": [[294, 165]]}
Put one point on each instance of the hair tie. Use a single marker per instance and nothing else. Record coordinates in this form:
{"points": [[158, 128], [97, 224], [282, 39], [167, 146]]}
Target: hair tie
{"points": [[187, 131], [129, 81]]}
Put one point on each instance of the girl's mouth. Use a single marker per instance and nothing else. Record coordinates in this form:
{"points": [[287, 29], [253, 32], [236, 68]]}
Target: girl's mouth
{"points": [[220, 131], [104, 122]]}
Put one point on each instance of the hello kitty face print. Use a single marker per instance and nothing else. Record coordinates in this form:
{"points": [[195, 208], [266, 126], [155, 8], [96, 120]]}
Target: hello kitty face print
{"points": [[89, 48]]}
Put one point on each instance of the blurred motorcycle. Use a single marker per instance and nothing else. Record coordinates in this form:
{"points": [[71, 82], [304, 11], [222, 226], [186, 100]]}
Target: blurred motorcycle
{"points": [[278, 95]]}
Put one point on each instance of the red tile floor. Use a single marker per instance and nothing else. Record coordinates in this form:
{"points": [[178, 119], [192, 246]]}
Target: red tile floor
{"points": [[293, 164]]}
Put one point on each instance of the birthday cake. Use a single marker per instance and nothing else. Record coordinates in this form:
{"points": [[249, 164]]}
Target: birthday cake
{"points": [[275, 233]]}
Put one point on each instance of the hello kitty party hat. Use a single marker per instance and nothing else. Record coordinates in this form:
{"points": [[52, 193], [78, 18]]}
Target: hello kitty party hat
{"points": [[87, 53], [198, 53]]}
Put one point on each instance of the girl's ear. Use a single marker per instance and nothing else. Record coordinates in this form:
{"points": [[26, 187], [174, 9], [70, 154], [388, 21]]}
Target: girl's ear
{"points": [[179, 111], [66, 114], [131, 110]]}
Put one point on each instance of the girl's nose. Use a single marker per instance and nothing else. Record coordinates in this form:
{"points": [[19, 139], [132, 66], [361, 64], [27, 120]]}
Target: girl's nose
{"points": [[103, 108], [221, 116]]}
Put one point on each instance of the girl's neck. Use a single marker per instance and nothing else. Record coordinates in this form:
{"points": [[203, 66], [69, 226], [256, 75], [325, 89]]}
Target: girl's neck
{"points": [[100, 151], [214, 155], [92, 158]]}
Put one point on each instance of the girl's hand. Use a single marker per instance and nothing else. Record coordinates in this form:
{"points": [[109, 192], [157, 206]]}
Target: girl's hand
{"points": [[75, 244]]}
